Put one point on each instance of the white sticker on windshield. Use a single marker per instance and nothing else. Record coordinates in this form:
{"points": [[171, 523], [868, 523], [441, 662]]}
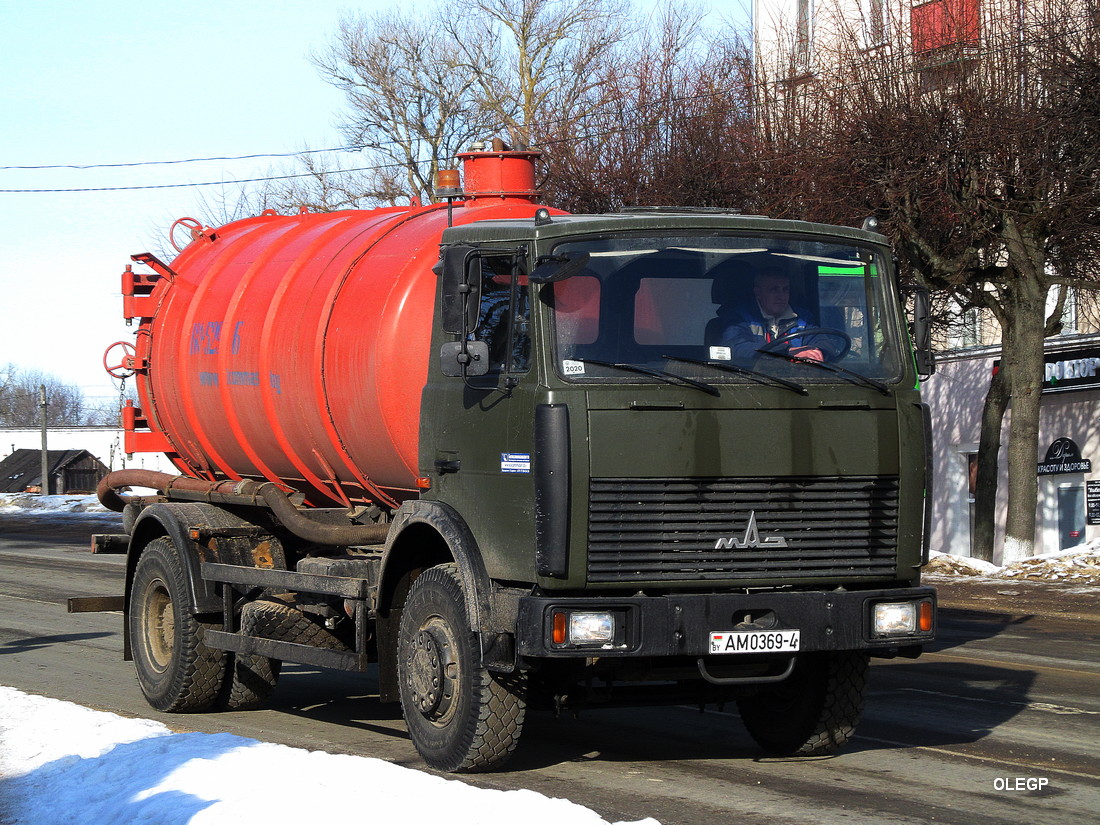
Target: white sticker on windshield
{"points": [[720, 354], [572, 367]]}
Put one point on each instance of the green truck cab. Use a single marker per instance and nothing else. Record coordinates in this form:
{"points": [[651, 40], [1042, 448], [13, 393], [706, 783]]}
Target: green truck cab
{"points": [[662, 513]]}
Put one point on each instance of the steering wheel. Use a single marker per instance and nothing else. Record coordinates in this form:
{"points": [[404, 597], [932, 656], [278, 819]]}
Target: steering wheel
{"points": [[787, 338]]}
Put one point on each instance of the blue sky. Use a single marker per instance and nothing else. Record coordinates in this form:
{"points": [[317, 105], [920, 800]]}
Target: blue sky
{"points": [[119, 81]]}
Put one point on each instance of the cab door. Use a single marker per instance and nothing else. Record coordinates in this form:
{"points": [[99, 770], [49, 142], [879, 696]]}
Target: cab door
{"points": [[477, 431]]}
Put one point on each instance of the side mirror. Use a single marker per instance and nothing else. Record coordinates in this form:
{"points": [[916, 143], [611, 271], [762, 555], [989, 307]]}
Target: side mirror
{"points": [[554, 268], [461, 289], [454, 357], [922, 333]]}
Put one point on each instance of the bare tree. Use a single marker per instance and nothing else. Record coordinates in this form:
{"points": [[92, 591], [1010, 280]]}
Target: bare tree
{"points": [[981, 163], [672, 128], [422, 87], [539, 65], [410, 104], [20, 399]]}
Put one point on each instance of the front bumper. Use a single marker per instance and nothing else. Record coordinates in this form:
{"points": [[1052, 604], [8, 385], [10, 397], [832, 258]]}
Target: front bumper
{"points": [[680, 625]]}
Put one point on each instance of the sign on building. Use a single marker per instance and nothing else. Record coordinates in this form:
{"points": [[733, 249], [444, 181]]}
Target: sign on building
{"points": [[1064, 456]]}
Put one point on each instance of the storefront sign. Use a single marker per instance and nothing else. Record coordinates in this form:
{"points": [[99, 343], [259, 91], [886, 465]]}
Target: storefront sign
{"points": [[1092, 502], [1075, 370], [1064, 456], [1067, 371]]}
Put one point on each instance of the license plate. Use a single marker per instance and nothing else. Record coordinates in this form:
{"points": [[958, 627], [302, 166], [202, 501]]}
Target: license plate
{"points": [[754, 641]]}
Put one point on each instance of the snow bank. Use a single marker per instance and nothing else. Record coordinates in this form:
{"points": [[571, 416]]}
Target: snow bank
{"points": [[62, 763], [1078, 565], [30, 504]]}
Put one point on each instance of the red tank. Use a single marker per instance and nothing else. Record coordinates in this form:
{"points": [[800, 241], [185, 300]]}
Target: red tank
{"points": [[295, 349]]}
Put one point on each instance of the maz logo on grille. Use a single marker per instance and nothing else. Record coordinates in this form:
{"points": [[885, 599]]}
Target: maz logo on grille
{"points": [[750, 539]]}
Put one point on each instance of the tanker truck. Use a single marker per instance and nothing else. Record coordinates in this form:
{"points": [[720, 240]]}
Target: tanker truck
{"points": [[513, 459]]}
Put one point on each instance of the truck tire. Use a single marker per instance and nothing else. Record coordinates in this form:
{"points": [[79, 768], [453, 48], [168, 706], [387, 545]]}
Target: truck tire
{"points": [[251, 678], [815, 711], [176, 671], [460, 716], [273, 619]]}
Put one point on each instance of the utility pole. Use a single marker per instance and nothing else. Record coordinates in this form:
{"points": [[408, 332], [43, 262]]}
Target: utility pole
{"points": [[45, 452]]}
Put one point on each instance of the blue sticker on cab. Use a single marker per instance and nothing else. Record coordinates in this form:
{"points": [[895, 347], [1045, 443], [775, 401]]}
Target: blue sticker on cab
{"points": [[515, 462]]}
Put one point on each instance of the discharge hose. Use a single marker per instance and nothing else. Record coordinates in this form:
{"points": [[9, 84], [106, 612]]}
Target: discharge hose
{"points": [[290, 516]]}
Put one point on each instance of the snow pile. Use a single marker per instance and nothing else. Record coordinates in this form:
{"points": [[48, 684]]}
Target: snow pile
{"points": [[946, 564], [33, 504], [1070, 566], [62, 763], [1079, 565]]}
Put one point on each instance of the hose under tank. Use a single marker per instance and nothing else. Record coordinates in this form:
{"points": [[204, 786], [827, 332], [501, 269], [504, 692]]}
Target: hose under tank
{"points": [[284, 509]]}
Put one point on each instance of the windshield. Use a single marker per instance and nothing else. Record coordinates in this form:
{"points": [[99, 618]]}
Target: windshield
{"points": [[723, 308]]}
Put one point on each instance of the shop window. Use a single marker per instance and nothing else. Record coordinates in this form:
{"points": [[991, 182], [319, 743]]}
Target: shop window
{"points": [[971, 332], [873, 23], [1069, 309], [804, 36]]}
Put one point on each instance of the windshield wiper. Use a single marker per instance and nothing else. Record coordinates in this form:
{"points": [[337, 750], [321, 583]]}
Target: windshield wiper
{"points": [[853, 377], [661, 375], [758, 377]]}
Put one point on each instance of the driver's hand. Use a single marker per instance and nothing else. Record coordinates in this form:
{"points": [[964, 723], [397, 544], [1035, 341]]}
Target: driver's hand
{"points": [[811, 353]]}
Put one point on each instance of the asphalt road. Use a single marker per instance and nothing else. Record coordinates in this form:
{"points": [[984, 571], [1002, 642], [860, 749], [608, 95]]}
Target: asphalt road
{"points": [[1008, 693]]}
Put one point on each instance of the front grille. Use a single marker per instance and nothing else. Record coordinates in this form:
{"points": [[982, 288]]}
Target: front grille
{"points": [[686, 529]]}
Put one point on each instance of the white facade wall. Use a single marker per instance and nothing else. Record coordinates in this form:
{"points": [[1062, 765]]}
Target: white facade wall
{"points": [[955, 395]]}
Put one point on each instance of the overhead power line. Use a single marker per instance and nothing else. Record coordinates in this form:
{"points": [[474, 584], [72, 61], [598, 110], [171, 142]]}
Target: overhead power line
{"points": [[205, 183], [181, 160]]}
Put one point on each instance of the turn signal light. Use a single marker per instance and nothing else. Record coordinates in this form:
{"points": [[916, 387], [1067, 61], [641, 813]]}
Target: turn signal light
{"points": [[926, 616], [558, 634]]}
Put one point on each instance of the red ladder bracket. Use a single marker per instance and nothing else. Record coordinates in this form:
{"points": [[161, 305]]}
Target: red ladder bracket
{"points": [[137, 435], [137, 287]]}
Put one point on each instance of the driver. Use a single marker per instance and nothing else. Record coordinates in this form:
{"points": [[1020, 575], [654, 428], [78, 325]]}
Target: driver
{"points": [[768, 317]]}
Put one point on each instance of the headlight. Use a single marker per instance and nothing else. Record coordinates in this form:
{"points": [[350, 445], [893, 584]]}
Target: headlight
{"points": [[895, 618], [583, 628], [902, 618], [589, 628]]}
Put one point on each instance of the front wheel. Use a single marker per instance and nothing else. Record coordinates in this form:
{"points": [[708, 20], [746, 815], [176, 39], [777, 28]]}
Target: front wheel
{"points": [[814, 711], [176, 671], [460, 716]]}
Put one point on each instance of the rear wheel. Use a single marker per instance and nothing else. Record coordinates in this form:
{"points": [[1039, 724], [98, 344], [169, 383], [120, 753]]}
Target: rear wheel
{"points": [[461, 717], [252, 678], [813, 712], [176, 671]]}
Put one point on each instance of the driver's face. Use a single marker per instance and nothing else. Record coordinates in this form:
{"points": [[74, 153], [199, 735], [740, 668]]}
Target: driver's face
{"points": [[773, 293]]}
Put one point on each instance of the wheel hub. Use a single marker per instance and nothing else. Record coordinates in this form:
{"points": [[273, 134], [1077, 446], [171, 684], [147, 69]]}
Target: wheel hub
{"points": [[426, 672], [160, 627]]}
